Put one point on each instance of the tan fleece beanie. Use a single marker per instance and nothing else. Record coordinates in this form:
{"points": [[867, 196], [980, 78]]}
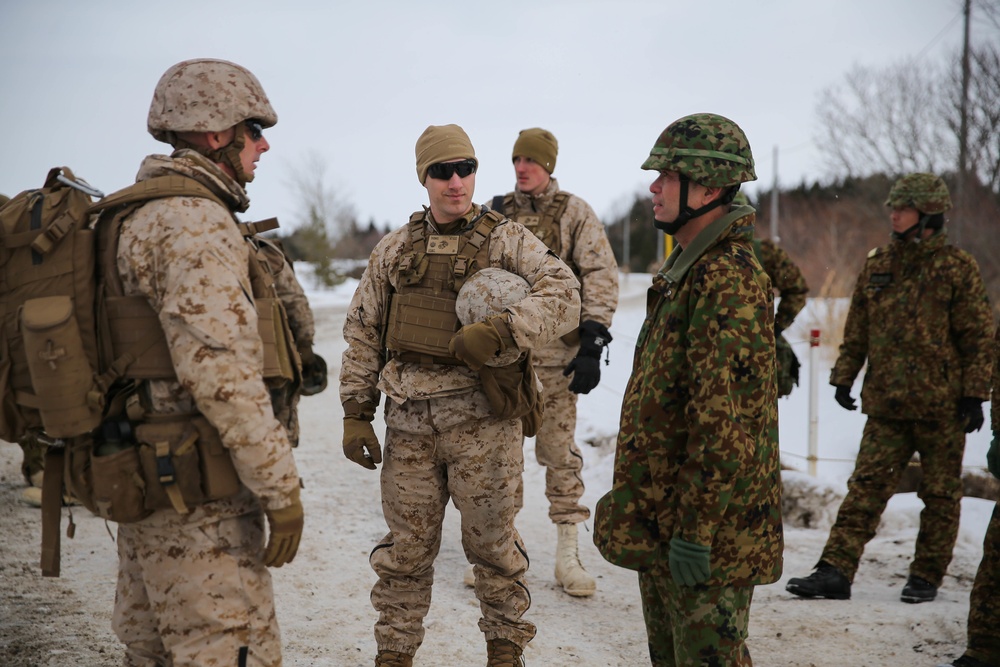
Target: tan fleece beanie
{"points": [[539, 145], [442, 143]]}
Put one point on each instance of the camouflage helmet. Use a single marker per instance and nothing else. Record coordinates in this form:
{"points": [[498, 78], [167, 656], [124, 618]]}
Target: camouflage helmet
{"points": [[489, 293], [207, 95], [925, 192], [705, 148]]}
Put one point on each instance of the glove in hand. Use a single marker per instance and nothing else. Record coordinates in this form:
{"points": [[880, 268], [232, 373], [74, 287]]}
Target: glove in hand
{"points": [[586, 373], [993, 458], [843, 396], [285, 532], [314, 378], [970, 411], [690, 563], [361, 443], [475, 344]]}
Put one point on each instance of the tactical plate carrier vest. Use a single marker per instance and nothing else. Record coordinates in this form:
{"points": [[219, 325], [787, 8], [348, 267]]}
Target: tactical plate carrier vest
{"points": [[421, 316], [544, 224]]}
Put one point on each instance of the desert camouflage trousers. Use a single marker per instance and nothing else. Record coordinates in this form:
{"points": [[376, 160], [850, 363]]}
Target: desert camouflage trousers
{"points": [[886, 448], [194, 592], [694, 626], [477, 465], [984, 603], [555, 448]]}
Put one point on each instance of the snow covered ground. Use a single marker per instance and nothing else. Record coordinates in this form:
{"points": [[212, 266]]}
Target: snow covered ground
{"points": [[322, 596]]}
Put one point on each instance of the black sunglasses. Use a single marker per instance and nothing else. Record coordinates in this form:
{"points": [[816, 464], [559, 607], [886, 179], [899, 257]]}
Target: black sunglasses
{"points": [[254, 128], [443, 171]]}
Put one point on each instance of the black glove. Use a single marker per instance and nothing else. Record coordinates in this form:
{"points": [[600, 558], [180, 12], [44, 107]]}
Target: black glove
{"points": [[313, 372], [843, 396], [993, 458], [586, 366], [970, 411]]}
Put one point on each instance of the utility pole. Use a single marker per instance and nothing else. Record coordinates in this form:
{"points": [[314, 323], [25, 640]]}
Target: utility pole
{"points": [[963, 128], [774, 201]]}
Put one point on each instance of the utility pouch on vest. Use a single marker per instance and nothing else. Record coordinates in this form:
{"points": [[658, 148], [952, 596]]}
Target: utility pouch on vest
{"points": [[513, 393], [184, 464], [421, 323], [66, 397], [110, 486], [278, 362]]}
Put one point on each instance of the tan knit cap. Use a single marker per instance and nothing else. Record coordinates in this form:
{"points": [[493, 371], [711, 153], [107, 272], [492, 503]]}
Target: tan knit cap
{"points": [[539, 145], [442, 143]]}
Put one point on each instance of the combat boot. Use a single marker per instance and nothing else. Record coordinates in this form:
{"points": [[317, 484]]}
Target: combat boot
{"points": [[393, 659], [965, 661], [570, 574], [826, 582], [918, 589], [503, 653]]}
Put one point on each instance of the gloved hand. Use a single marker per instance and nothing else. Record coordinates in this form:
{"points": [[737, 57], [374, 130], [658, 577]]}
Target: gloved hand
{"points": [[690, 563], [843, 396], [993, 458], [313, 371], [360, 442], [970, 411], [477, 343], [285, 531], [586, 366]]}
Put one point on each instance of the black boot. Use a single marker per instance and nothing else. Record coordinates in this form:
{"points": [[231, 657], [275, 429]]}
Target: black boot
{"points": [[966, 661], [826, 582], [918, 589]]}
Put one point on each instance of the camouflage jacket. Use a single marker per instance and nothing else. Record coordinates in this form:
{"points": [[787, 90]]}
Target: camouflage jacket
{"points": [[190, 261], [921, 317], [550, 310], [995, 396], [697, 453], [786, 279], [585, 247]]}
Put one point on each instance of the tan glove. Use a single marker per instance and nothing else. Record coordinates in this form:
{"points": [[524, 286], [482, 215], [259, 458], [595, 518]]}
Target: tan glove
{"points": [[285, 532], [360, 442], [475, 344]]}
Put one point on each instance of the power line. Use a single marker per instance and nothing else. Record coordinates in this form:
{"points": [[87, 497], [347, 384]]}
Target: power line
{"points": [[940, 34]]}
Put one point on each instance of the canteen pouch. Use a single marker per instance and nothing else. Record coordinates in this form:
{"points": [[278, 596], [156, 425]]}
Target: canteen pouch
{"points": [[111, 486], [61, 376], [170, 465]]}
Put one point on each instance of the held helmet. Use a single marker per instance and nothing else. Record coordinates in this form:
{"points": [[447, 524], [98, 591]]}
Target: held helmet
{"points": [[705, 148], [207, 95], [925, 192], [488, 293]]}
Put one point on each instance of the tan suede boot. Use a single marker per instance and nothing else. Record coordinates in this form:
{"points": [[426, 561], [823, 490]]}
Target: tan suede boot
{"points": [[503, 653], [393, 659], [469, 578], [570, 574]]}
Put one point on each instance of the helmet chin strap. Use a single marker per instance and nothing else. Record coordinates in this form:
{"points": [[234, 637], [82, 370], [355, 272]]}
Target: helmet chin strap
{"points": [[228, 155], [686, 212], [915, 232]]}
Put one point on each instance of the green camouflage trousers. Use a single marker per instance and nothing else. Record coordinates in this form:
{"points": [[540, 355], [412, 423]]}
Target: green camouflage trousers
{"points": [[886, 448], [555, 448], [984, 603], [694, 626]]}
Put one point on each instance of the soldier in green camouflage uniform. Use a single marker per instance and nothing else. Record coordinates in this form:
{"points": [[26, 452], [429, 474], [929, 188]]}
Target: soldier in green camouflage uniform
{"points": [[921, 317], [695, 504], [984, 603], [788, 281]]}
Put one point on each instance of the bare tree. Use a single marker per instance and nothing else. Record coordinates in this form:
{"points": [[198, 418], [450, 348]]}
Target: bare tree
{"points": [[885, 121], [983, 113], [319, 204]]}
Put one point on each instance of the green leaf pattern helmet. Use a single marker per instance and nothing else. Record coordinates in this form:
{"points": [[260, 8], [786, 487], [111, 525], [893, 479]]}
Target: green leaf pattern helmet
{"points": [[925, 192], [705, 148]]}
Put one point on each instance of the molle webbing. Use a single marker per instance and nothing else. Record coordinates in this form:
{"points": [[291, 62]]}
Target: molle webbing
{"points": [[422, 318], [546, 224]]}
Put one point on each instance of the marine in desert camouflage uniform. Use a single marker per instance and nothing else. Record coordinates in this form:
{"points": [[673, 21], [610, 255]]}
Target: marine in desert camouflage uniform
{"points": [[569, 365], [921, 318], [445, 439], [695, 505], [194, 589]]}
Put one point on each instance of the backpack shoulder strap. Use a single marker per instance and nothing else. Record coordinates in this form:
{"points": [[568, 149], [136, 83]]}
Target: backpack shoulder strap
{"points": [[171, 185], [484, 227]]}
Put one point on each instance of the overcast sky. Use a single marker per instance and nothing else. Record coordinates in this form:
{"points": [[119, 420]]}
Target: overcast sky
{"points": [[355, 83]]}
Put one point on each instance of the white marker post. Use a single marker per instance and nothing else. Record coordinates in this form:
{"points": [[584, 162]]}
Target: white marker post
{"points": [[813, 400]]}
